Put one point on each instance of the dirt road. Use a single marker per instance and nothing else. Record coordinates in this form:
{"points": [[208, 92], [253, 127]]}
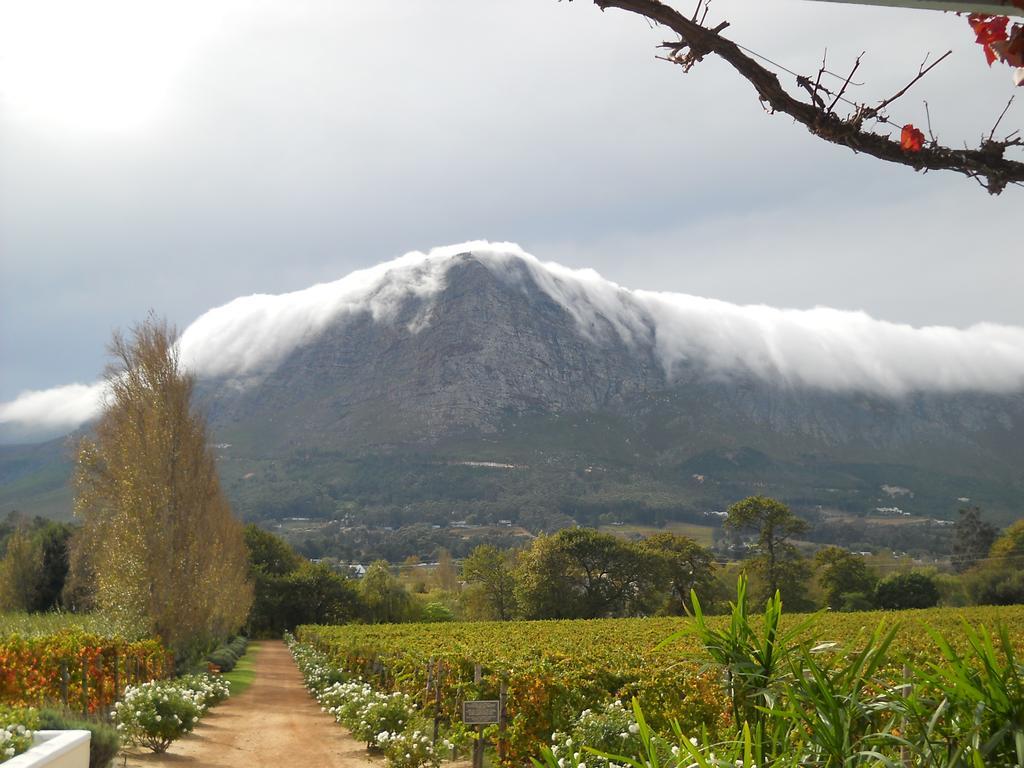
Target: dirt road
{"points": [[275, 723]]}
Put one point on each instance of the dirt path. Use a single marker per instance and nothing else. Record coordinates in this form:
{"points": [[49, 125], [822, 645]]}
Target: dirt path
{"points": [[274, 723]]}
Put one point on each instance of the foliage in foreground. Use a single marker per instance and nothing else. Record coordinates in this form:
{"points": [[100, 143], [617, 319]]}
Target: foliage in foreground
{"points": [[16, 727], [104, 741], [827, 706]]}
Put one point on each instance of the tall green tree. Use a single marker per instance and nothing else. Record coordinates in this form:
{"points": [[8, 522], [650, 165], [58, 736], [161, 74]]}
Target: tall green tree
{"points": [[685, 566], [581, 573], [778, 563], [845, 577], [54, 541], [972, 539], [999, 578], [384, 597], [901, 591], [488, 567], [21, 571], [269, 554], [166, 552]]}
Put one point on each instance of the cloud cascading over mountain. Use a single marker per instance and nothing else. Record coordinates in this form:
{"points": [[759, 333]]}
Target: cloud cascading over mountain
{"points": [[821, 348]]}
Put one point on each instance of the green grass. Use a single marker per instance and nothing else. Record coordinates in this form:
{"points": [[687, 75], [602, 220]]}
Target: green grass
{"points": [[244, 673]]}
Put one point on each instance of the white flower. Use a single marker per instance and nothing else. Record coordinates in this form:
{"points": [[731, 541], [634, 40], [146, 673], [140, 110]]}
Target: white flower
{"points": [[634, 728]]}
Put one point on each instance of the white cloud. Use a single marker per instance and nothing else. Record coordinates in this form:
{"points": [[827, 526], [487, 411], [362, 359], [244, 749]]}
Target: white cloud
{"points": [[821, 347], [63, 407]]}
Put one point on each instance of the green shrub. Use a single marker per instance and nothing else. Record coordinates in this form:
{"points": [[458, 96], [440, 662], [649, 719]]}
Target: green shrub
{"points": [[907, 590], [227, 655], [437, 612], [104, 744], [224, 659], [856, 601], [154, 714]]}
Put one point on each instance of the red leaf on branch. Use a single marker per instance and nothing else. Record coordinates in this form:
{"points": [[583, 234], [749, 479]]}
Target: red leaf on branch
{"points": [[988, 29], [990, 33], [911, 139]]}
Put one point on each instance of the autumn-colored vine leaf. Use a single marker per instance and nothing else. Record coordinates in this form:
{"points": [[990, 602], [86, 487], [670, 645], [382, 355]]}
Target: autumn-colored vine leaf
{"points": [[988, 30], [911, 139]]}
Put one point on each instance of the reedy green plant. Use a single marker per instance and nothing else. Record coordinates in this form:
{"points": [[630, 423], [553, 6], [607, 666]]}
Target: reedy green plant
{"points": [[753, 661], [969, 711], [841, 711]]}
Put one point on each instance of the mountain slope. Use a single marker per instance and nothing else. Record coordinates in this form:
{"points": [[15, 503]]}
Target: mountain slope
{"points": [[485, 386]]}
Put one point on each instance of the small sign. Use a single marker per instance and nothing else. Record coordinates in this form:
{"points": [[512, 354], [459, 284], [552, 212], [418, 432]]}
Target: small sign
{"points": [[481, 712]]}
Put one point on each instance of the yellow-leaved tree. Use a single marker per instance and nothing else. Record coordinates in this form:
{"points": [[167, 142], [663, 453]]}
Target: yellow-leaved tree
{"points": [[165, 552]]}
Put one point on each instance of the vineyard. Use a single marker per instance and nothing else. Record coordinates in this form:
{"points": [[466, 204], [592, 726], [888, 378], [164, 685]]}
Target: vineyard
{"points": [[81, 662], [548, 672]]}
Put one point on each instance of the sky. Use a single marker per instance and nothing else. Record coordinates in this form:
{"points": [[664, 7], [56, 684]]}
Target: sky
{"points": [[175, 156]]}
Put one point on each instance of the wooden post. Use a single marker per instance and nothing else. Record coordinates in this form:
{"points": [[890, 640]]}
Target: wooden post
{"points": [[438, 671], [502, 722], [478, 745], [85, 687], [65, 680], [98, 685]]}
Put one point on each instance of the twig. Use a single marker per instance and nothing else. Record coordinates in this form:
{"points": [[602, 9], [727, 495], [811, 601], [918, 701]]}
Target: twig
{"points": [[928, 116], [842, 90], [817, 83], [922, 71], [1001, 116]]}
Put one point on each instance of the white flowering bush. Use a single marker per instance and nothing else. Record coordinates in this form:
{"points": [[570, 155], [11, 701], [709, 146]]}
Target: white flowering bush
{"points": [[205, 690], [345, 701], [594, 743], [16, 730], [387, 721], [411, 748], [610, 729], [14, 739], [316, 671], [156, 713], [382, 712]]}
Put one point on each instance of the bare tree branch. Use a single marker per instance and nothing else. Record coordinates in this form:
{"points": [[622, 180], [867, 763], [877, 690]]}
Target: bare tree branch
{"points": [[987, 164], [846, 84]]}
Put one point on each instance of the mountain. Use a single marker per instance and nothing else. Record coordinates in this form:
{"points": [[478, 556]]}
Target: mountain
{"points": [[481, 385]]}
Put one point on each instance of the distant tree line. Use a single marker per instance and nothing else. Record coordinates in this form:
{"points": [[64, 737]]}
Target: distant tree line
{"points": [[573, 573]]}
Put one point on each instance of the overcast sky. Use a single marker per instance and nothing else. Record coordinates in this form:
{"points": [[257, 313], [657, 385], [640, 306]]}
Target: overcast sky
{"points": [[175, 156]]}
